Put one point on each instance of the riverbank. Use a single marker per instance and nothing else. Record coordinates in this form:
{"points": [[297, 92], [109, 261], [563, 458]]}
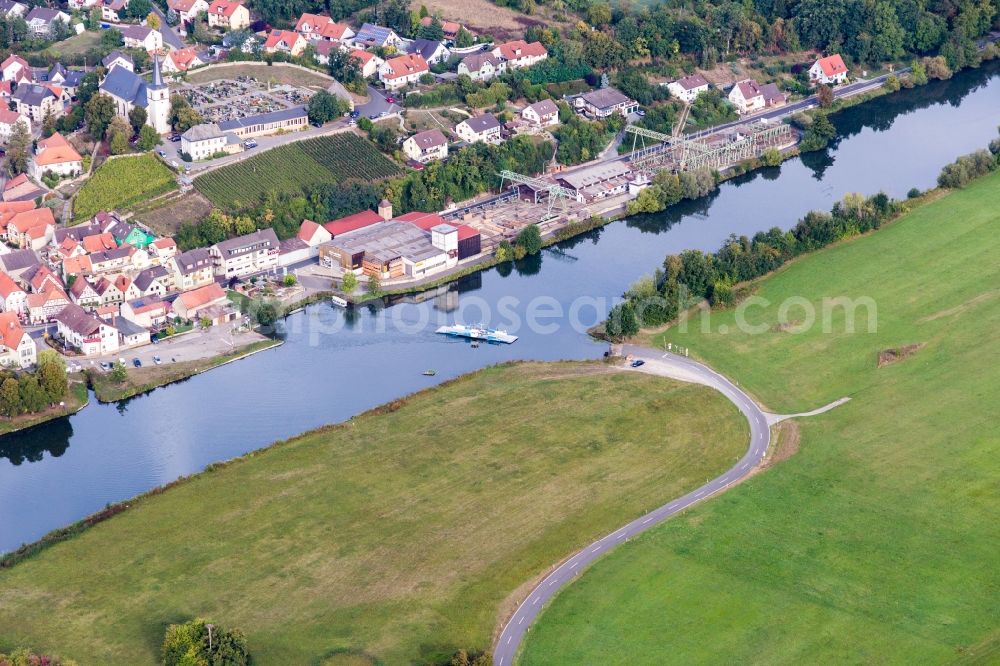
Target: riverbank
{"points": [[76, 399], [151, 376], [341, 539], [848, 536]]}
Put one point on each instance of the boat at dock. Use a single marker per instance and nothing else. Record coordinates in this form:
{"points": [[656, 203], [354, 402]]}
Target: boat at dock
{"points": [[478, 333], [429, 373], [338, 301]]}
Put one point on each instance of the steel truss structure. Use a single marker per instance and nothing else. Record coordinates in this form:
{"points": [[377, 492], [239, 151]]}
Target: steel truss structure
{"points": [[683, 154], [551, 191]]}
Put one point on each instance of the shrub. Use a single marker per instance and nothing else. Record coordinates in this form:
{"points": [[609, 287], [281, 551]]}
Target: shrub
{"points": [[200, 642]]}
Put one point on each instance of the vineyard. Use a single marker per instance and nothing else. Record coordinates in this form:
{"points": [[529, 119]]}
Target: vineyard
{"points": [[291, 168], [123, 182]]}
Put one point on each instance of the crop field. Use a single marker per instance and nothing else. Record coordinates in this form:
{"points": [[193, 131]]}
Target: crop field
{"points": [[121, 183], [877, 541], [397, 537], [291, 168]]}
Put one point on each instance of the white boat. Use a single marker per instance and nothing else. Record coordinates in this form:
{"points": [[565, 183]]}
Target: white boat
{"points": [[478, 333], [337, 300]]}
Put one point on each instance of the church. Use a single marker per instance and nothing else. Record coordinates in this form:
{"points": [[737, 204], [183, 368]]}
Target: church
{"points": [[129, 90]]}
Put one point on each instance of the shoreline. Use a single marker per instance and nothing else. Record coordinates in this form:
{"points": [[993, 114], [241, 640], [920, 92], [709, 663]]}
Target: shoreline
{"points": [[80, 398]]}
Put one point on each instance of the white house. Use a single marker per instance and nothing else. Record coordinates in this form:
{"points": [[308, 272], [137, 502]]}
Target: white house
{"points": [[402, 70], [36, 102], [541, 114], [519, 53], [55, 154], [141, 37], [17, 349], [203, 141], [431, 51], [228, 15], [604, 102], [484, 128], [8, 119], [368, 62], [285, 41], [246, 255], [481, 66], [118, 59], [11, 8], [376, 35], [830, 70], [40, 20], [316, 28], [188, 10], [15, 67], [746, 95], [687, 88], [12, 297], [426, 146], [83, 331]]}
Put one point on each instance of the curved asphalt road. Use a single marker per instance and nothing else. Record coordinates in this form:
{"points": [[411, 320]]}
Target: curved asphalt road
{"points": [[667, 365]]}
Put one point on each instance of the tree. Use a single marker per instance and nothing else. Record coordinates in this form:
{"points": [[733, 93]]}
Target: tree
{"points": [[464, 38], [289, 280], [887, 34], [324, 107], [118, 135], [18, 149], [153, 21], [265, 312], [599, 14], [139, 9], [374, 284], [530, 239], [33, 398], [148, 138], [621, 321], [349, 282], [94, 19], [98, 115], [10, 397], [111, 38], [433, 31], [771, 157], [118, 373], [824, 95], [182, 116], [52, 375], [194, 644], [137, 118]]}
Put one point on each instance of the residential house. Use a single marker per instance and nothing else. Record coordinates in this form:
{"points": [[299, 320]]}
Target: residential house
{"points": [[118, 259], [323, 49], [99, 242], [830, 70], [130, 334], [55, 154], [746, 96], [162, 249], [191, 269], [228, 15], [31, 229], [20, 189], [284, 41], [8, 209], [44, 305], [426, 146], [127, 288], [482, 66], [484, 128], [152, 281], [181, 60], [543, 113], [118, 59], [15, 68], [773, 96], [604, 102], [12, 9], [375, 35], [519, 53], [142, 37], [188, 10], [83, 293], [80, 265], [449, 28], [149, 311], [368, 62], [17, 263], [687, 88], [17, 349], [313, 234], [13, 297], [41, 20], [80, 4], [83, 331], [68, 80], [204, 141], [285, 120], [190, 304], [315, 28], [109, 291], [113, 10], [129, 90], [8, 119], [41, 277], [403, 70], [431, 51], [36, 101], [246, 255]]}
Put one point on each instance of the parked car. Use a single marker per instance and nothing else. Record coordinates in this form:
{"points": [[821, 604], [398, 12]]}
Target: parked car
{"points": [[137, 363], [161, 153], [355, 114], [249, 143], [157, 360], [316, 123], [638, 362], [175, 137]]}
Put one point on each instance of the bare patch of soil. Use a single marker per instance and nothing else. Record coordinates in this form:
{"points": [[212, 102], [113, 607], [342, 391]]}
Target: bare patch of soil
{"points": [[897, 354]]}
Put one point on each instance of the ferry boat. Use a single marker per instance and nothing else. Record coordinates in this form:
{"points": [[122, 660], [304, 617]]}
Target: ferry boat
{"points": [[478, 333]]}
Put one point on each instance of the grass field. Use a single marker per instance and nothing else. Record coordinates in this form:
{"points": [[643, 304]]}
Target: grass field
{"points": [[121, 183], [165, 216], [398, 535], [291, 168], [878, 541], [274, 74]]}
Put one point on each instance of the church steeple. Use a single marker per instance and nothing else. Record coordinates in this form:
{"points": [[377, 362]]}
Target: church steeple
{"points": [[157, 75]]}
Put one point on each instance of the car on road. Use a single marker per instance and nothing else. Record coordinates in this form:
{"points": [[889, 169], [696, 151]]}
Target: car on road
{"points": [[316, 123], [249, 143], [174, 164], [157, 360], [161, 153], [390, 99], [373, 116], [106, 365], [355, 114], [382, 114], [137, 363], [638, 362]]}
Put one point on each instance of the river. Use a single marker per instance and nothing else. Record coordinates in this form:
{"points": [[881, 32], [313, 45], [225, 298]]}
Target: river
{"points": [[336, 364]]}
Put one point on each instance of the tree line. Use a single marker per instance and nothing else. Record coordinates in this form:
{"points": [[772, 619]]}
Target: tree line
{"points": [[23, 392]]}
